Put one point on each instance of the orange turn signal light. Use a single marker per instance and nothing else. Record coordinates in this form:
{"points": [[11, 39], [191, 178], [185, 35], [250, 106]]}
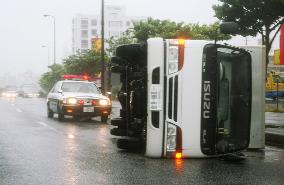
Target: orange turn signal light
{"points": [[181, 41], [178, 155]]}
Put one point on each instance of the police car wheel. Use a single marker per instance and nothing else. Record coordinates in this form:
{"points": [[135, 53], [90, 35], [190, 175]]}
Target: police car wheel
{"points": [[60, 116], [104, 118], [49, 112], [77, 117]]}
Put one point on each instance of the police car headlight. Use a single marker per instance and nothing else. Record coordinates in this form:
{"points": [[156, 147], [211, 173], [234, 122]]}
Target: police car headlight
{"points": [[104, 102], [171, 137], [71, 101]]}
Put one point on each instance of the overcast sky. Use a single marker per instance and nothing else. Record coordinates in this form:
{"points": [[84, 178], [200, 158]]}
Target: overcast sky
{"points": [[24, 29]]}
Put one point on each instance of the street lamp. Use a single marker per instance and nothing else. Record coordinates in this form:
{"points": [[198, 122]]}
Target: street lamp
{"points": [[54, 42], [103, 48], [44, 46]]}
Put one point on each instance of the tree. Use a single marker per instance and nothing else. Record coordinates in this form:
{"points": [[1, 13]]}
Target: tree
{"points": [[88, 63], [168, 29], [262, 17], [49, 78], [208, 32]]}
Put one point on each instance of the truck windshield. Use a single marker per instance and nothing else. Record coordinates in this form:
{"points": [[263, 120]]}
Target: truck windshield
{"points": [[226, 99], [233, 99]]}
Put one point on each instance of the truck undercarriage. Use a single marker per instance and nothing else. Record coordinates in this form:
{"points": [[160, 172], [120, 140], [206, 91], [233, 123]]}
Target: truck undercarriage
{"points": [[131, 63]]}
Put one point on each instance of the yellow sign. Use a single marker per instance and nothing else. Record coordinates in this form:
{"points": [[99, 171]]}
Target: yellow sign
{"points": [[277, 57], [96, 44]]}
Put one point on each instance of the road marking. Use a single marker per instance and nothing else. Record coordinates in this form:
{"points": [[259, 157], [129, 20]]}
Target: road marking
{"points": [[42, 123], [46, 125], [18, 110], [13, 104]]}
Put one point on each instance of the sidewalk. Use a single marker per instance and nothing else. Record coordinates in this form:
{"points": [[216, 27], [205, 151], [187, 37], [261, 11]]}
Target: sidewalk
{"points": [[274, 128]]}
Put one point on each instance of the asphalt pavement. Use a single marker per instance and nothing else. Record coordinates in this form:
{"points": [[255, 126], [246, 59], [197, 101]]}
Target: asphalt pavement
{"points": [[37, 150]]}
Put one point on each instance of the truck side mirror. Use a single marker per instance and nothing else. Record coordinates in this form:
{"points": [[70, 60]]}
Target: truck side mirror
{"points": [[60, 91], [229, 28]]}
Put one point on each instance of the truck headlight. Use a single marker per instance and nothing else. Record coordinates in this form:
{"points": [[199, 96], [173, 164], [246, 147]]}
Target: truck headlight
{"points": [[173, 59], [171, 137], [71, 101]]}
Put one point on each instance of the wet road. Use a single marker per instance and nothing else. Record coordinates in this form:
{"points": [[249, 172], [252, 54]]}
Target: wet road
{"points": [[37, 150]]}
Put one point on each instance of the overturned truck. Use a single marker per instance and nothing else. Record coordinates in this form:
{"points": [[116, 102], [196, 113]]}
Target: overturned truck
{"points": [[183, 98]]}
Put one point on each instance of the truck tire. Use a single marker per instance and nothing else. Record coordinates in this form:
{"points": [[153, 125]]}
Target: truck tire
{"points": [[118, 132], [118, 61], [118, 69], [127, 144], [119, 122]]}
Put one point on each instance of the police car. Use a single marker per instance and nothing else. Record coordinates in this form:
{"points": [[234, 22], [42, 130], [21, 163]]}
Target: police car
{"points": [[77, 98]]}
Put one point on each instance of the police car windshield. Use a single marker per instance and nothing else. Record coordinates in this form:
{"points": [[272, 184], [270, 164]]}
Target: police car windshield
{"points": [[79, 87]]}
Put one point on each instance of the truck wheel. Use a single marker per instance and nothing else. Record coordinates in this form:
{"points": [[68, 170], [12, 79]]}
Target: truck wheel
{"points": [[127, 144], [118, 132], [104, 118], [49, 112]]}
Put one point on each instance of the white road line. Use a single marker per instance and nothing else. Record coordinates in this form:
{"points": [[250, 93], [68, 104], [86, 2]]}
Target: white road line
{"points": [[46, 125], [18, 110], [42, 123], [13, 104]]}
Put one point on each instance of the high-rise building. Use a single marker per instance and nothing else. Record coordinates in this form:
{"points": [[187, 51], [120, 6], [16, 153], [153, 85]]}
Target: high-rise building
{"points": [[86, 27]]}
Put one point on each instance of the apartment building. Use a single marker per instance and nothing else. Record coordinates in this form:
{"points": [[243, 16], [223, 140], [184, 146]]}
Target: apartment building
{"points": [[85, 27]]}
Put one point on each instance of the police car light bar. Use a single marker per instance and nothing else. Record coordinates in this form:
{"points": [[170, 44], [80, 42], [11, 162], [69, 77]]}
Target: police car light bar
{"points": [[75, 77]]}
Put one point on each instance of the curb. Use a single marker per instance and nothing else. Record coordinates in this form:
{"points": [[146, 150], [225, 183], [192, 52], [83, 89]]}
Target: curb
{"points": [[274, 138]]}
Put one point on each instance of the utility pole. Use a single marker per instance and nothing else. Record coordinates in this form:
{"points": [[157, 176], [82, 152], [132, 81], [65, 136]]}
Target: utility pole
{"points": [[45, 46], [54, 37], [54, 41], [103, 49]]}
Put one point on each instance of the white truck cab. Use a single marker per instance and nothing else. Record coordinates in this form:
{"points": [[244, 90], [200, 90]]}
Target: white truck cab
{"points": [[183, 98]]}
